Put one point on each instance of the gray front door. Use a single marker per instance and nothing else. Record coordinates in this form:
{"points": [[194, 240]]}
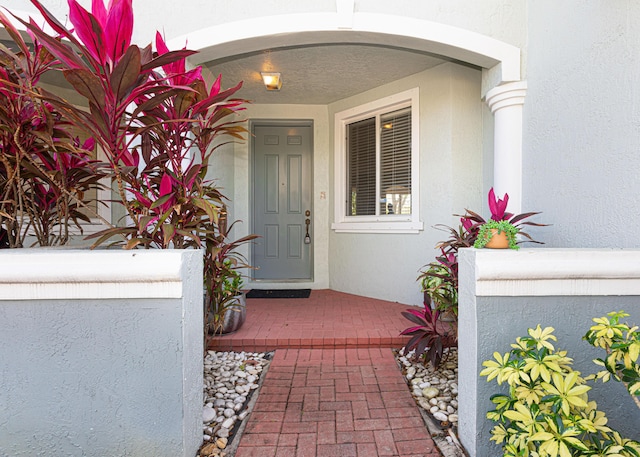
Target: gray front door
{"points": [[282, 190]]}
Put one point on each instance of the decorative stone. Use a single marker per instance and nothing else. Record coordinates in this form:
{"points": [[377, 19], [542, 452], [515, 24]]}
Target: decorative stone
{"points": [[442, 417], [434, 390], [222, 443], [228, 423], [208, 414], [430, 392]]}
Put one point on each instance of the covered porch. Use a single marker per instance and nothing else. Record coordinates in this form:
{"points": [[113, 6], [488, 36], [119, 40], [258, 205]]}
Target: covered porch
{"points": [[326, 320]]}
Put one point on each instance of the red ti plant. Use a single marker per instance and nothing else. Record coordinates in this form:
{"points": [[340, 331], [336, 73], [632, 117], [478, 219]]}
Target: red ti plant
{"points": [[157, 124], [147, 113], [45, 173], [430, 336]]}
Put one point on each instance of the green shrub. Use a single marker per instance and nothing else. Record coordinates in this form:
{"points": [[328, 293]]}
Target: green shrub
{"points": [[622, 344], [547, 411]]}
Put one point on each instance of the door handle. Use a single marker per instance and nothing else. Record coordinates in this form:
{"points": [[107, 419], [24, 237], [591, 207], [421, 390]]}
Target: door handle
{"points": [[307, 222]]}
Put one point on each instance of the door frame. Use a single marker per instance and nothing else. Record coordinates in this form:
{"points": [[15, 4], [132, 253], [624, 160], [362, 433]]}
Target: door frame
{"points": [[253, 123]]}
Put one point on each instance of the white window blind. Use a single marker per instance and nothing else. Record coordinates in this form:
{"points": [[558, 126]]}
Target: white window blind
{"points": [[395, 163], [361, 185], [385, 184]]}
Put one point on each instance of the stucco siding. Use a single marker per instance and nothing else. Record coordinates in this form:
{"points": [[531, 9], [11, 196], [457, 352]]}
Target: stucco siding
{"points": [[386, 265], [581, 145]]}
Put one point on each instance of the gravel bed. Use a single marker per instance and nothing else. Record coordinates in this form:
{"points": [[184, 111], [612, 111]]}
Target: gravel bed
{"points": [[435, 391], [231, 378]]}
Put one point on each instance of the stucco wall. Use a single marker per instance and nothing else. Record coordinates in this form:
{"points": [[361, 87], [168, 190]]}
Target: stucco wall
{"points": [[101, 353], [385, 266], [581, 122]]}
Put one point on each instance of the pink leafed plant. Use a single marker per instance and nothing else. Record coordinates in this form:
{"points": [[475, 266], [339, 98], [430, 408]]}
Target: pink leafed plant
{"points": [[148, 114], [156, 122], [45, 172]]}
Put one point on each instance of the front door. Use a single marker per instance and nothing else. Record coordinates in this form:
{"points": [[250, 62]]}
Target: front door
{"points": [[282, 190]]}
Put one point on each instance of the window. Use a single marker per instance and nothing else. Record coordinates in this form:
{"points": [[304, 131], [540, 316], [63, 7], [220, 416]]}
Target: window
{"points": [[377, 166]]}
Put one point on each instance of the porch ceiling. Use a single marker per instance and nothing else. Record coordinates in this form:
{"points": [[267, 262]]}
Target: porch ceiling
{"points": [[319, 74]]}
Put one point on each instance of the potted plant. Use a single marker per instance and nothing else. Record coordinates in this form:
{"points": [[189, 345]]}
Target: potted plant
{"points": [[439, 283], [500, 231], [229, 308], [225, 301], [439, 279], [497, 235]]}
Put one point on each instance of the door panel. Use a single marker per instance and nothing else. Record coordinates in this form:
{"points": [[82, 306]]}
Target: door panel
{"points": [[282, 190]]}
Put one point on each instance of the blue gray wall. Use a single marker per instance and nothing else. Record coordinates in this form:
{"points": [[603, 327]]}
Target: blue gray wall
{"points": [[119, 375]]}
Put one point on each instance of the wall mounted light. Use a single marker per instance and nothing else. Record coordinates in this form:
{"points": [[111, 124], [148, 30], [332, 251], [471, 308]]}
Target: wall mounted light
{"points": [[272, 81]]}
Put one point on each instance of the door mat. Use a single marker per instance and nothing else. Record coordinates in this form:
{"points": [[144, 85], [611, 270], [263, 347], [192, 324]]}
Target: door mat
{"points": [[279, 293]]}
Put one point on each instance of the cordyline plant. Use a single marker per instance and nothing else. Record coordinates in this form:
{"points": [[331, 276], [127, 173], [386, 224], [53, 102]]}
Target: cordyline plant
{"points": [[154, 120], [224, 262], [45, 173], [429, 337], [547, 412]]}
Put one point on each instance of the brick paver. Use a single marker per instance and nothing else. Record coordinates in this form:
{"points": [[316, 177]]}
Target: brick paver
{"points": [[327, 319], [335, 403]]}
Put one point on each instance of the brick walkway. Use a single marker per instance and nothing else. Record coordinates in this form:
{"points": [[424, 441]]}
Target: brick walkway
{"points": [[335, 403]]}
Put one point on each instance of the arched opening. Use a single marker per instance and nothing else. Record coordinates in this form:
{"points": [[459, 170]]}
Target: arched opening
{"points": [[500, 62]]}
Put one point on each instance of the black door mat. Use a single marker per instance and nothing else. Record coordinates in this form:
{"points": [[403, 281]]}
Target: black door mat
{"points": [[279, 293]]}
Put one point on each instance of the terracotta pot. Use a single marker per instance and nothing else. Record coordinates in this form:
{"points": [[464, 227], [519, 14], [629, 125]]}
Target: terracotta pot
{"points": [[498, 240]]}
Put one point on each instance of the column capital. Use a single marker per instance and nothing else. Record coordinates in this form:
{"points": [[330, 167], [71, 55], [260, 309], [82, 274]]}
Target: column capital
{"points": [[505, 95]]}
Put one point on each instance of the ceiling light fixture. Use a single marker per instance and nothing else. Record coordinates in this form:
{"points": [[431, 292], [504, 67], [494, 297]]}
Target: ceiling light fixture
{"points": [[272, 81]]}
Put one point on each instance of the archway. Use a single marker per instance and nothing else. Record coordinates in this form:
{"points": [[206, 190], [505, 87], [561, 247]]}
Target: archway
{"points": [[502, 88]]}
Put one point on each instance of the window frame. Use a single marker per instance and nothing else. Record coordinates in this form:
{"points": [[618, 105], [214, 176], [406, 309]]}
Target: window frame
{"points": [[397, 223]]}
